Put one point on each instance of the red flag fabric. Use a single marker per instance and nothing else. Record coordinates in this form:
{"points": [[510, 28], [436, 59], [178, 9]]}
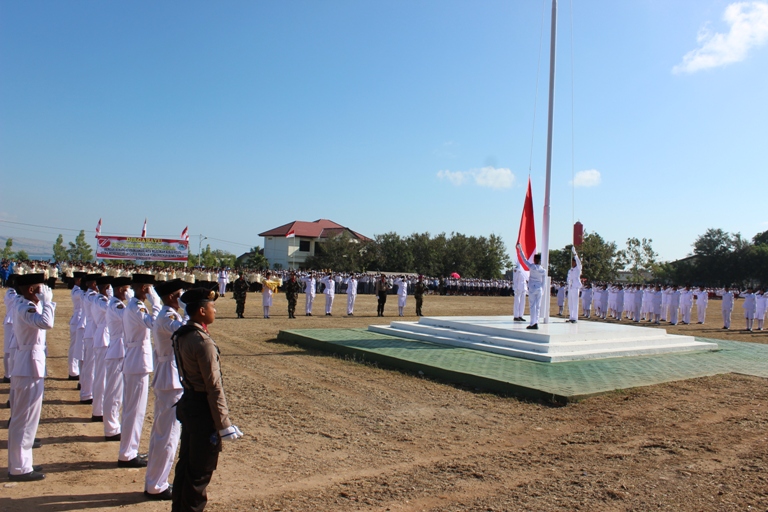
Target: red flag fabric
{"points": [[98, 228], [526, 237], [144, 229], [291, 234], [185, 234]]}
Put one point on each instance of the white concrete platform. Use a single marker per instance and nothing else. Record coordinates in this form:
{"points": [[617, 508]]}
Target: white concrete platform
{"points": [[554, 342]]}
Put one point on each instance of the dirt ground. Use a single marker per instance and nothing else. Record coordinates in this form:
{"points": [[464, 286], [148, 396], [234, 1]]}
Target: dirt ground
{"points": [[328, 434]]}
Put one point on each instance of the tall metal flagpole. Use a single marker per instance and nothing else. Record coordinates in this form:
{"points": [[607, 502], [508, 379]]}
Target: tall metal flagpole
{"points": [[550, 117]]}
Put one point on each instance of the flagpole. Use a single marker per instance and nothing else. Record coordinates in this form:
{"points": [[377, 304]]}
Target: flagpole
{"points": [[550, 122]]}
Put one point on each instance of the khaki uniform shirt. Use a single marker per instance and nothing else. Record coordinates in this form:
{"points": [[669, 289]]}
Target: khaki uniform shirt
{"points": [[198, 358]]}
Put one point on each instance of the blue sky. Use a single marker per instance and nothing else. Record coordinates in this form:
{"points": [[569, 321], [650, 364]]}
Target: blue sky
{"points": [[236, 117]]}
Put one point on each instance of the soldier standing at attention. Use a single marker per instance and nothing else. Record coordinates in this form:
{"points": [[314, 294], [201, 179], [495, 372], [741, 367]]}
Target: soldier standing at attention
{"points": [[292, 289], [239, 291], [419, 290], [202, 410], [381, 289]]}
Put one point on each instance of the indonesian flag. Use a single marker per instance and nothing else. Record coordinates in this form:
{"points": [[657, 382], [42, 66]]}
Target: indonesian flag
{"points": [[144, 229], [98, 228], [291, 234], [185, 234], [526, 237]]}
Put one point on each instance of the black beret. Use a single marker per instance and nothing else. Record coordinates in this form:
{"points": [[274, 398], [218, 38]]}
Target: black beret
{"points": [[198, 295], [168, 287], [75, 275], [104, 280], [11, 282], [120, 281], [29, 279], [143, 278]]}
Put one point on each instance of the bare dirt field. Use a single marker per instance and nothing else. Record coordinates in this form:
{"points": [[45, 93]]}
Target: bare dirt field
{"points": [[328, 434]]}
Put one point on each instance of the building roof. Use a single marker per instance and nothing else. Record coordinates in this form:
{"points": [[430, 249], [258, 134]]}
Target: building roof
{"points": [[321, 228]]}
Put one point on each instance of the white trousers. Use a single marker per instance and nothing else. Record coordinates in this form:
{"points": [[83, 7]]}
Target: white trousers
{"points": [[6, 364], [222, 287], [534, 299], [73, 362], [99, 380], [113, 396], [701, 312], [135, 394], [164, 439], [351, 302], [573, 303], [727, 317], [328, 303], [673, 315], [86, 374], [310, 300], [401, 300], [519, 308], [687, 314], [27, 404]]}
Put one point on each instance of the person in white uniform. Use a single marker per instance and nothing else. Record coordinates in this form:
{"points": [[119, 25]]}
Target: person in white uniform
{"points": [[86, 371], [761, 303], [536, 278], [520, 287], [113, 360], [674, 305], [329, 292], [402, 294], [727, 307], [166, 386], [561, 299], [100, 344], [702, 299], [574, 286], [34, 315], [309, 291], [351, 283], [750, 308], [223, 277], [137, 324], [9, 300], [686, 304], [77, 310]]}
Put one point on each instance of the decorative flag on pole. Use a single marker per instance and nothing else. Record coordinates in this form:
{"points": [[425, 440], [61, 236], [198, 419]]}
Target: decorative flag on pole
{"points": [[526, 237], [291, 234], [98, 228], [185, 234], [144, 229]]}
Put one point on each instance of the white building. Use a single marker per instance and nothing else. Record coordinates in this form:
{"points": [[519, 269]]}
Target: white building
{"points": [[289, 245]]}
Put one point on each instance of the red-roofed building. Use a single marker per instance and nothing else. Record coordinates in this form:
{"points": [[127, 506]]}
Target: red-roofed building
{"points": [[289, 245]]}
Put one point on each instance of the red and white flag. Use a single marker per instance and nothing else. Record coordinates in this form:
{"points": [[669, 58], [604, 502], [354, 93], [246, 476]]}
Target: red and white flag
{"points": [[291, 234], [185, 234], [526, 237], [144, 229], [98, 228]]}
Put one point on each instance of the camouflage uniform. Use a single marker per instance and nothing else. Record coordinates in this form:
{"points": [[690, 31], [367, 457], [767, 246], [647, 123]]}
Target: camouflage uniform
{"points": [[239, 290], [292, 289]]}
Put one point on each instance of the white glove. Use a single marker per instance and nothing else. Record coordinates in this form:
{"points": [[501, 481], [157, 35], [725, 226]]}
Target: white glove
{"points": [[110, 292], [130, 294], [230, 434], [45, 294]]}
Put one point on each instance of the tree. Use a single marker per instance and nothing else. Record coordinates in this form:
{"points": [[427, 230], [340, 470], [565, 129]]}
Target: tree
{"points": [[256, 260], [640, 258], [715, 242], [394, 254], [22, 255], [59, 251], [8, 251], [760, 238], [339, 253], [492, 258], [601, 260], [80, 250]]}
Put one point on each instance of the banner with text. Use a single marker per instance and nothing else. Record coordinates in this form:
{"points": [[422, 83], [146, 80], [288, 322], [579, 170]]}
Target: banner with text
{"points": [[141, 249]]}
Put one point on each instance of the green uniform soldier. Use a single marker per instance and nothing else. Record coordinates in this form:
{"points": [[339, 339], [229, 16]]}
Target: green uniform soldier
{"points": [[292, 289], [381, 289], [239, 290], [419, 289]]}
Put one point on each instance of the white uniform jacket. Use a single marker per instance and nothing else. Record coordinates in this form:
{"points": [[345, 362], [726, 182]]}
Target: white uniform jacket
{"points": [[166, 373], [30, 323], [137, 324]]}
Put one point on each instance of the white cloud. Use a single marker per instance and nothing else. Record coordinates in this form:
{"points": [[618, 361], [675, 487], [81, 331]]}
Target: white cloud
{"points": [[588, 178], [749, 29], [490, 177]]}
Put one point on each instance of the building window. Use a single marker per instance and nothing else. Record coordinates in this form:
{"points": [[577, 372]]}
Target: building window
{"points": [[304, 245]]}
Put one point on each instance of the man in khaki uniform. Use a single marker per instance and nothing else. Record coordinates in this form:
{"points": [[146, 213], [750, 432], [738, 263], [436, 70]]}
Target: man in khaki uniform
{"points": [[202, 410]]}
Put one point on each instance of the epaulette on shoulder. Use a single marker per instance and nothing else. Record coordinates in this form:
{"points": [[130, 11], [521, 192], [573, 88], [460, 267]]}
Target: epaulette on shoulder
{"points": [[101, 297], [120, 305]]}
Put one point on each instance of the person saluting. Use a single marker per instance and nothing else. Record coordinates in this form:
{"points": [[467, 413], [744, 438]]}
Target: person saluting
{"points": [[202, 409]]}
